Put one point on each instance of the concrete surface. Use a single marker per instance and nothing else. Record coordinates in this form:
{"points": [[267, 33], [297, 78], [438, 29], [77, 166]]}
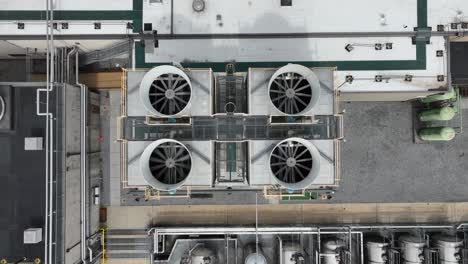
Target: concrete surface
{"points": [[380, 162], [140, 217]]}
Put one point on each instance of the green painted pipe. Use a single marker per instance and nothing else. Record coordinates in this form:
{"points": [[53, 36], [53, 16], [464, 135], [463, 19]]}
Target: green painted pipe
{"points": [[440, 97], [437, 133], [440, 114]]}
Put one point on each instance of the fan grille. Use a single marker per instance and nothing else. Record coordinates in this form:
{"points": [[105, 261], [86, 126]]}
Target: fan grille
{"points": [[291, 93], [170, 163], [169, 94], [291, 162]]}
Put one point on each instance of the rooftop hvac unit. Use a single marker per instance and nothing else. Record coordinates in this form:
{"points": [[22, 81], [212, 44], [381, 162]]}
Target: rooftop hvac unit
{"points": [[294, 89], [166, 91], [412, 248], [295, 163], [449, 249], [166, 164]]}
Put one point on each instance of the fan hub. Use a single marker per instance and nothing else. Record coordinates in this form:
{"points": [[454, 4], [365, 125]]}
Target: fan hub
{"points": [[170, 163], [291, 162], [170, 94], [290, 93]]}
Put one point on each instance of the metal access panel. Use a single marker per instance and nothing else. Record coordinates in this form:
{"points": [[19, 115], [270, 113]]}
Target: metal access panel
{"points": [[230, 94], [231, 163]]}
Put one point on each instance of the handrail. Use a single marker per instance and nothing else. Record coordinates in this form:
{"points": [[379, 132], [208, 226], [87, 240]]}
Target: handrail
{"points": [[103, 245]]}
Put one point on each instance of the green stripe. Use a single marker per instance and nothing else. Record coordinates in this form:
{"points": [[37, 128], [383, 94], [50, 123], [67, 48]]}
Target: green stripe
{"points": [[422, 13], [69, 15], [138, 16]]}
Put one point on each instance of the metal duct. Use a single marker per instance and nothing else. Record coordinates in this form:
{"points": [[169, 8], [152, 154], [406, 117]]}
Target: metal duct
{"points": [[294, 89], [166, 164], [295, 163], [166, 91]]}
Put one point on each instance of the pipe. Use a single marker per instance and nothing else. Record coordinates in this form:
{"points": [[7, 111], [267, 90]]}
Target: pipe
{"points": [[69, 54], [49, 133], [51, 142], [82, 161]]}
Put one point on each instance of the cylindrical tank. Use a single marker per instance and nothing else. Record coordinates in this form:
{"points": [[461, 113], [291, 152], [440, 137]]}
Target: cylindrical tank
{"points": [[440, 97], [292, 253], [294, 89], [449, 248], [203, 255], [330, 254], [295, 163], [252, 256], [376, 252], [440, 114], [437, 133], [166, 164], [412, 249], [166, 91]]}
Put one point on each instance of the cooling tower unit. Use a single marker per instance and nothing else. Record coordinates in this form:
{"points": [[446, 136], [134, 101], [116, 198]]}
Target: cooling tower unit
{"points": [[166, 164], [295, 163], [166, 91], [294, 89]]}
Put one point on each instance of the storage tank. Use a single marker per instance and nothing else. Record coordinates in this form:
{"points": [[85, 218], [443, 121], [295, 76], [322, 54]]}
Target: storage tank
{"points": [[412, 249], [449, 248], [295, 163], [377, 252], [294, 89], [200, 255], [330, 253], [166, 164], [166, 91], [254, 257], [439, 114], [292, 253], [437, 133]]}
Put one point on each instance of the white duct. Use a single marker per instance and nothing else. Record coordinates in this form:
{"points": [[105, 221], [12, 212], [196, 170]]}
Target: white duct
{"points": [[295, 163], [166, 164], [294, 89], [166, 91]]}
